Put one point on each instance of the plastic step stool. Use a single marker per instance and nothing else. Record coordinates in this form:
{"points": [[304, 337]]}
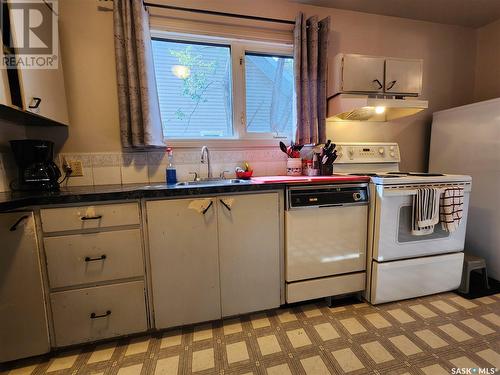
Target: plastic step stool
{"points": [[472, 263]]}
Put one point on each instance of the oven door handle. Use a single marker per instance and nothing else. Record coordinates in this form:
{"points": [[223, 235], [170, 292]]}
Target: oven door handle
{"points": [[395, 192]]}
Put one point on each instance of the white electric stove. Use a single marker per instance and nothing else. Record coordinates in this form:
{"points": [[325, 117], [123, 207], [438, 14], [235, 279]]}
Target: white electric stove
{"points": [[401, 265]]}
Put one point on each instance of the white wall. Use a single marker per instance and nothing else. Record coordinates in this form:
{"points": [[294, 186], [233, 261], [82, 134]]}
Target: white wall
{"points": [[487, 85], [88, 57]]}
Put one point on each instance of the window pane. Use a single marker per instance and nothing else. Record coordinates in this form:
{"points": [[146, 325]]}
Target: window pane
{"points": [[194, 89], [269, 94]]}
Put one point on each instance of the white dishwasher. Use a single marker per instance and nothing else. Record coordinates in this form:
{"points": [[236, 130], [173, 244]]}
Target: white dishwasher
{"points": [[326, 232]]}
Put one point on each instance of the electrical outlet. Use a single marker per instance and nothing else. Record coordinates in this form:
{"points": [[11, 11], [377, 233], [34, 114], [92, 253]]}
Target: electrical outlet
{"points": [[76, 168]]}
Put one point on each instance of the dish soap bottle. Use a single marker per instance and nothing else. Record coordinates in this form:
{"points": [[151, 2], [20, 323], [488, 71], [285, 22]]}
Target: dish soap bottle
{"points": [[171, 173]]}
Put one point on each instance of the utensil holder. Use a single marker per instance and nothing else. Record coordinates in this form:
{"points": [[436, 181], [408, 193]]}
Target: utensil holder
{"points": [[294, 167], [326, 169]]}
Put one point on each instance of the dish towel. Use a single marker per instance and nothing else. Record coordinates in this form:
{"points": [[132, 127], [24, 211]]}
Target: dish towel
{"points": [[451, 208], [425, 211]]}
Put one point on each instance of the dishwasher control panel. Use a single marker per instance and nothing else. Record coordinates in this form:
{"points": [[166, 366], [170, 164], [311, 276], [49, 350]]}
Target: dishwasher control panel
{"points": [[326, 195]]}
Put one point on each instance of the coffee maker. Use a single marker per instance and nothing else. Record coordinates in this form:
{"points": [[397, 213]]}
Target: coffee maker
{"points": [[37, 170]]}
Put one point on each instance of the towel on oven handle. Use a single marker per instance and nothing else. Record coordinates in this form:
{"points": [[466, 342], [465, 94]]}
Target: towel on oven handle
{"points": [[426, 209], [451, 208]]}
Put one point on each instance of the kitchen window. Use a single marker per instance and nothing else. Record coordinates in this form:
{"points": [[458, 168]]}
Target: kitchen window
{"points": [[222, 89]]}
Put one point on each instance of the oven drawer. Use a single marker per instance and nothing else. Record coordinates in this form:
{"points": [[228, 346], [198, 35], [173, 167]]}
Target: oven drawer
{"points": [[118, 309], [325, 241], [89, 217], [93, 257], [398, 280], [325, 287]]}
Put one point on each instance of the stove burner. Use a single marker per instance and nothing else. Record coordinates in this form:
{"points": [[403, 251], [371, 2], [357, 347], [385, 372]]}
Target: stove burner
{"points": [[417, 174]]}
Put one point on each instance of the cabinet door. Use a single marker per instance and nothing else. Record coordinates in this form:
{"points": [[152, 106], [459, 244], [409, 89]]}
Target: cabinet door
{"points": [[362, 73], [403, 76], [42, 90], [249, 249], [184, 261], [23, 320]]}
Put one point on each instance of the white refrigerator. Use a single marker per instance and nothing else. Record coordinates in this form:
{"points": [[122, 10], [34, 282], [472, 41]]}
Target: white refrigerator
{"points": [[466, 140]]}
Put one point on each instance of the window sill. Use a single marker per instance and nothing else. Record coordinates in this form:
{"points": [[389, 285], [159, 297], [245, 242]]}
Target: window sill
{"points": [[225, 143]]}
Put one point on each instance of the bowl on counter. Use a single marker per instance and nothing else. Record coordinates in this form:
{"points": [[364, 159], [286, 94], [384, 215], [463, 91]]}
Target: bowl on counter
{"points": [[244, 175]]}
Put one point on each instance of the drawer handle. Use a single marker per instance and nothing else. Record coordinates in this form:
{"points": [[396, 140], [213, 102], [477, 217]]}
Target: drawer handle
{"points": [[208, 207], [95, 316], [225, 205], [391, 85], [36, 102], [14, 226], [378, 83], [89, 259], [91, 217]]}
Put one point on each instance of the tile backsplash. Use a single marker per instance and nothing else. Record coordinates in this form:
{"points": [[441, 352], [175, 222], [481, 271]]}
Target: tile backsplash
{"points": [[149, 167]]}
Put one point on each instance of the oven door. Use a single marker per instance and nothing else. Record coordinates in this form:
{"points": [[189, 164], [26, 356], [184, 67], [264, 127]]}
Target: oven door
{"points": [[392, 237]]}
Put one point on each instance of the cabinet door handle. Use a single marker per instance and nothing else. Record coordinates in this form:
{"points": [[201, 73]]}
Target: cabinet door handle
{"points": [[36, 102], [15, 225], [91, 217], [391, 85], [225, 205], [95, 316], [379, 83], [89, 259], [208, 207]]}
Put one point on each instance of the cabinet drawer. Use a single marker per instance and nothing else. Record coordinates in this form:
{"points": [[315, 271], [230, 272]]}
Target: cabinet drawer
{"points": [[93, 257], [89, 217], [97, 313]]}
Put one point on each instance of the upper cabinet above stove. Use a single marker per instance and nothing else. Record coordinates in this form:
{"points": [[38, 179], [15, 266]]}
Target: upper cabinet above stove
{"points": [[350, 73], [32, 88]]}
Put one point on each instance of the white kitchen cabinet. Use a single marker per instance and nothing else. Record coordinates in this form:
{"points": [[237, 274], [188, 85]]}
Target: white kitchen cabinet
{"points": [[249, 249], [403, 76], [362, 73], [93, 257], [42, 90], [23, 319], [90, 314], [184, 259], [214, 257]]}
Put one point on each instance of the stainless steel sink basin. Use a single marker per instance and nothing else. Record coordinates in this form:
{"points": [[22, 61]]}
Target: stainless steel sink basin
{"points": [[221, 182], [200, 183]]}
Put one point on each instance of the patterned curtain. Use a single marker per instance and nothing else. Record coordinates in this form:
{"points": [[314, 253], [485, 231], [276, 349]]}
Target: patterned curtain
{"points": [[310, 61], [140, 121]]}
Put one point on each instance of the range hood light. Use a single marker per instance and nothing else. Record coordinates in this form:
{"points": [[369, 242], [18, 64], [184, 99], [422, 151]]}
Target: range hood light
{"points": [[358, 107]]}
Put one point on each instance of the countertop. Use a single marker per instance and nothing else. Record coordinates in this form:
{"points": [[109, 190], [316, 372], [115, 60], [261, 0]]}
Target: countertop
{"points": [[12, 200]]}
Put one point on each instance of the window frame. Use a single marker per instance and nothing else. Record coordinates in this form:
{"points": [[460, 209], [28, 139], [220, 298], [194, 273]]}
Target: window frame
{"points": [[238, 49]]}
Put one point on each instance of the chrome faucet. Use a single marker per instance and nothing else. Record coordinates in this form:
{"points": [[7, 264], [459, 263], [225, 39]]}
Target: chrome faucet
{"points": [[205, 158]]}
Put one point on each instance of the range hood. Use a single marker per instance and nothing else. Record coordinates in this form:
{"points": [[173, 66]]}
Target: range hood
{"points": [[357, 107]]}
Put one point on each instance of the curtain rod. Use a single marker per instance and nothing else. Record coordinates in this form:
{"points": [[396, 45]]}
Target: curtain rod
{"points": [[215, 13]]}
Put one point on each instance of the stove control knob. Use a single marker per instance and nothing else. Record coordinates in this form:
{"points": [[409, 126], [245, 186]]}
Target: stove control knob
{"points": [[392, 154], [391, 148], [356, 197], [381, 150]]}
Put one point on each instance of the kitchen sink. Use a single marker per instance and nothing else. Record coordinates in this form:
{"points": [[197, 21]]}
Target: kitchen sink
{"points": [[200, 183], [217, 182]]}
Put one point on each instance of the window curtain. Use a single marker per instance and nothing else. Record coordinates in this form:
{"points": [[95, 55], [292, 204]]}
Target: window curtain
{"points": [[310, 61], [140, 121]]}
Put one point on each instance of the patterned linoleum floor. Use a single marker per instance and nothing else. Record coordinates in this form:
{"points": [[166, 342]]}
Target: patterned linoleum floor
{"points": [[430, 335]]}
